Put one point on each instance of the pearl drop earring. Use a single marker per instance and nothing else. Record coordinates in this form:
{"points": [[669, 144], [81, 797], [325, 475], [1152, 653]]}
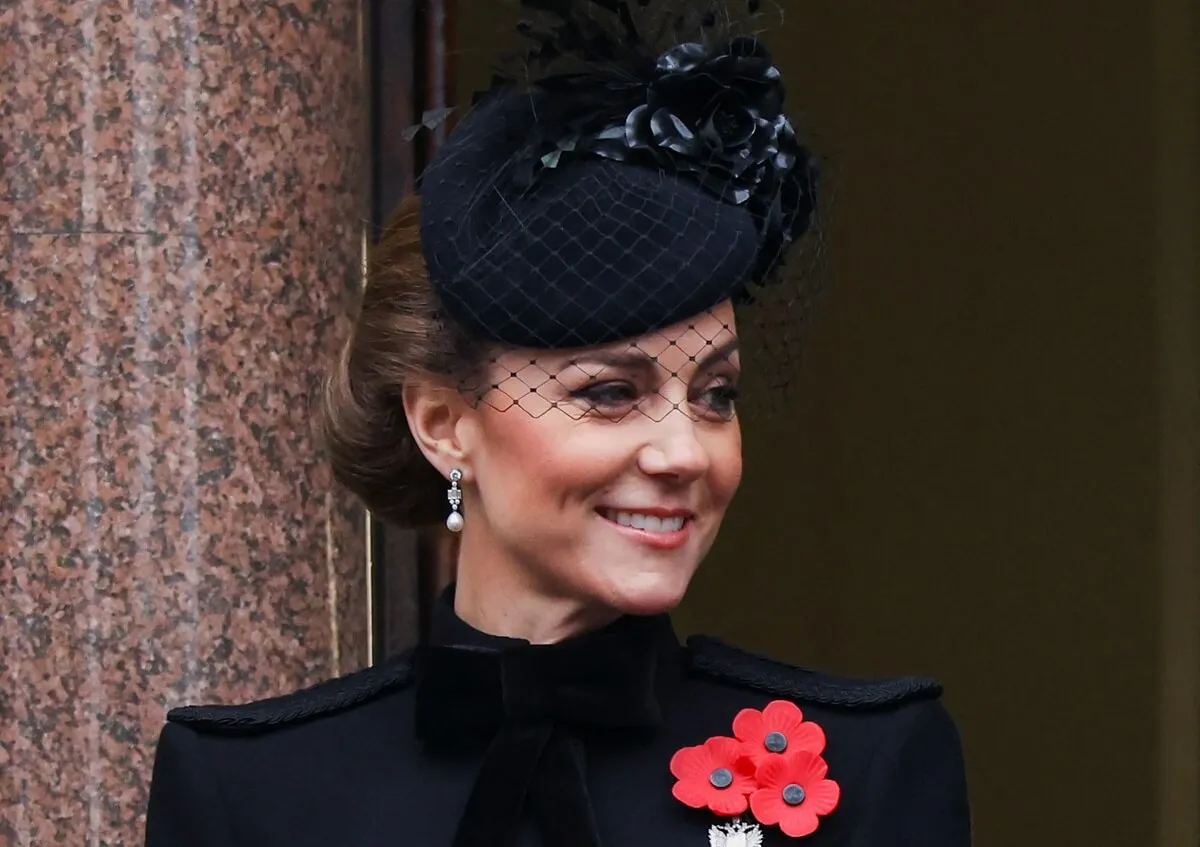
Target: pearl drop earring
{"points": [[454, 522]]}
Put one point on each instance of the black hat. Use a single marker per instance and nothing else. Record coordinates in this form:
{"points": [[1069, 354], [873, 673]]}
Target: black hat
{"points": [[643, 185]]}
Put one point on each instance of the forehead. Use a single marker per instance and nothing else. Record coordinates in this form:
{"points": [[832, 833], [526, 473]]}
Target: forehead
{"points": [[672, 348], [685, 340]]}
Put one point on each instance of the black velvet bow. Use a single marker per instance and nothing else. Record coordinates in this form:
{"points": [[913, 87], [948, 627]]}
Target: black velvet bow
{"points": [[530, 705]]}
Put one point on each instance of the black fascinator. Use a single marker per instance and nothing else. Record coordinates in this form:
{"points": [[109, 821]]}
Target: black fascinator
{"points": [[633, 168]]}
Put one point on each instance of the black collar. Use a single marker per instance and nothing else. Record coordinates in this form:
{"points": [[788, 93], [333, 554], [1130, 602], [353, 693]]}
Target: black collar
{"points": [[531, 704], [469, 683]]}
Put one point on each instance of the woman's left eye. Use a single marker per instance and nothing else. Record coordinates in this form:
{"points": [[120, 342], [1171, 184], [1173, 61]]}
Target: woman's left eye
{"points": [[721, 399]]}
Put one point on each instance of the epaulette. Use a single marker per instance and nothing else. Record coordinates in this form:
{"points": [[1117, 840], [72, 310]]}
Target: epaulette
{"points": [[715, 658], [325, 698]]}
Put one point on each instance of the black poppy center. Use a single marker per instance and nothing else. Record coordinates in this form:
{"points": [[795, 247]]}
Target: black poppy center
{"points": [[776, 742], [793, 794], [721, 778]]}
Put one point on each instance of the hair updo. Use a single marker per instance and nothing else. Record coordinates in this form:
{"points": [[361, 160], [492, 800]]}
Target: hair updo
{"points": [[399, 335]]}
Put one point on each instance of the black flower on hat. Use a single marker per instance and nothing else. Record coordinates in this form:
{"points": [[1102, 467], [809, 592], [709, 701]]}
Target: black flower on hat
{"points": [[715, 113]]}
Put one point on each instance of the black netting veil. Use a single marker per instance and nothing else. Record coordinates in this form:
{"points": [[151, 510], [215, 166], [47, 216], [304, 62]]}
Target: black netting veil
{"points": [[628, 204]]}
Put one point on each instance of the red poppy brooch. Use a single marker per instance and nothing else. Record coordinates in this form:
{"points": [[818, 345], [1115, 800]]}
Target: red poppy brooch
{"points": [[772, 767]]}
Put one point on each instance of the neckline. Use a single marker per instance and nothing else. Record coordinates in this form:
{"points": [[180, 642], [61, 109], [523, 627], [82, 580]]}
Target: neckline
{"points": [[649, 635], [447, 629]]}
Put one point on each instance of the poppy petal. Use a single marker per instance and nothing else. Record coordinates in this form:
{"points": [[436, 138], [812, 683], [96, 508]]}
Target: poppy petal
{"points": [[808, 736], [798, 822], [756, 752], [728, 802], [745, 768], [724, 751], [817, 769], [799, 766], [691, 793], [767, 805], [773, 772], [822, 797], [783, 716], [748, 726], [691, 763]]}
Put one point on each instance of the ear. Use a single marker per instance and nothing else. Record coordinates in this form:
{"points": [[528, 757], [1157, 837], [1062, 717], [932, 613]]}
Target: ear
{"points": [[436, 417]]}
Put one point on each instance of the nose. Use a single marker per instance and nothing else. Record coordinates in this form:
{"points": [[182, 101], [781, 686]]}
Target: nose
{"points": [[674, 450]]}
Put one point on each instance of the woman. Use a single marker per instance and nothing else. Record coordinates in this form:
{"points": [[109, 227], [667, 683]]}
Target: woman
{"points": [[547, 359]]}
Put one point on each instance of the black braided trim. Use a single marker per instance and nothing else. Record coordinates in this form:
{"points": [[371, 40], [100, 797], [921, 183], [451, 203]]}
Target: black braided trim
{"points": [[322, 699], [718, 659]]}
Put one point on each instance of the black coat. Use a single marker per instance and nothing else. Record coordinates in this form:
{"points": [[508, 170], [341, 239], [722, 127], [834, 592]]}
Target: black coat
{"points": [[467, 739]]}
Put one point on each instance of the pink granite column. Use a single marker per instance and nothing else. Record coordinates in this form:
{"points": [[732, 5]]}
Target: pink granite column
{"points": [[181, 197]]}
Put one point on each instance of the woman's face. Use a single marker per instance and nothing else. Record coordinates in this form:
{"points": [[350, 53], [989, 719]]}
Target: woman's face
{"points": [[601, 475]]}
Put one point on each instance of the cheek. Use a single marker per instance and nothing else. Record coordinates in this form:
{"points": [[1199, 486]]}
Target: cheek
{"points": [[725, 472], [510, 449], [550, 459]]}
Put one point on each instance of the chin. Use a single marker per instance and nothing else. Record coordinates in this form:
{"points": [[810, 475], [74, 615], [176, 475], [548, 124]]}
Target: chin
{"points": [[649, 594]]}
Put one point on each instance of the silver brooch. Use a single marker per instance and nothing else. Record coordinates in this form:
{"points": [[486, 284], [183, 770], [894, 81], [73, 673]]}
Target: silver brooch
{"points": [[736, 834]]}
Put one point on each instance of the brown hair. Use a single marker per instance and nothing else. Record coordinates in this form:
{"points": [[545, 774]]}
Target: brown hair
{"points": [[399, 335]]}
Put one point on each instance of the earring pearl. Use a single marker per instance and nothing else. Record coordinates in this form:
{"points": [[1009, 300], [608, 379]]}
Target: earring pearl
{"points": [[454, 521]]}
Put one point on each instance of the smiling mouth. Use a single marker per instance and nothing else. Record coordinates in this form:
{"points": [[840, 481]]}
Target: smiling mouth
{"points": [[646, 522]]}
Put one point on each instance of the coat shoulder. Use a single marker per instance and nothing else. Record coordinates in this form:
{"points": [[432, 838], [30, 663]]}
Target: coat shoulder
{"points": [[732, 665], [326, 698]]}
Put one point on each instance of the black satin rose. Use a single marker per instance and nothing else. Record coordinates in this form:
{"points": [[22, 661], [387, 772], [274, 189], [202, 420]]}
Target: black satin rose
{"points": [[715, 113]]}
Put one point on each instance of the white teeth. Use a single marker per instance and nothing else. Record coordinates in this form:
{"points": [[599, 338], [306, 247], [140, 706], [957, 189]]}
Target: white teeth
{"points": [[650, 523]]}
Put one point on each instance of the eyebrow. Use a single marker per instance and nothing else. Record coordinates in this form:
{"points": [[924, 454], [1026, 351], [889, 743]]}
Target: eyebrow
{"points": [[638, 360]]}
